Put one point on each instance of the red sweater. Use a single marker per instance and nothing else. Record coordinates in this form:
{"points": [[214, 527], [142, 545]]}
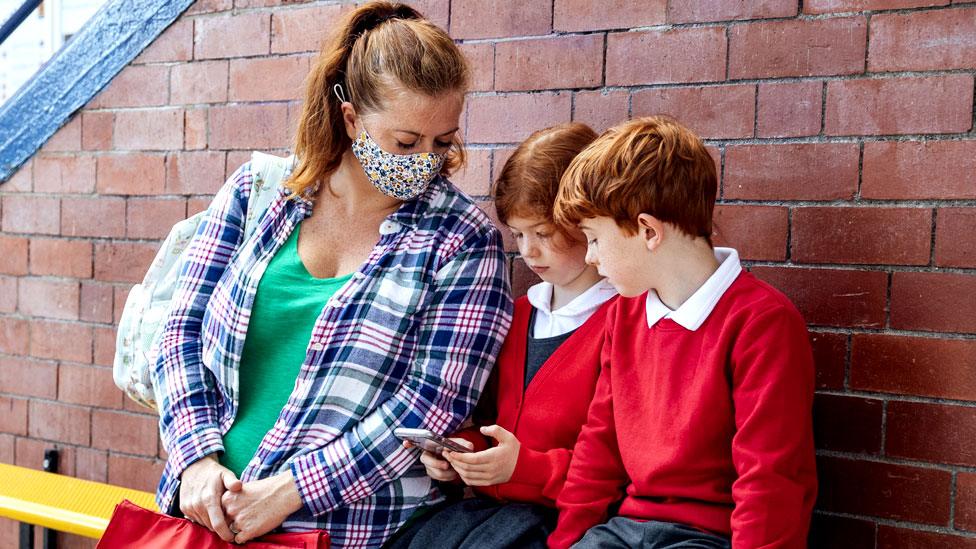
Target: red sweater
{"points": [[546, 417], [710, 428]]}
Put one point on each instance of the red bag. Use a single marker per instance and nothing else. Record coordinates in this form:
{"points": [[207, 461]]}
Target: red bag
{"points": [[133, 527]]}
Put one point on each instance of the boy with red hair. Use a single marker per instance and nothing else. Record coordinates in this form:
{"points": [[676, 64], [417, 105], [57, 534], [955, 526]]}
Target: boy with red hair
{"points": [[701, 424]]}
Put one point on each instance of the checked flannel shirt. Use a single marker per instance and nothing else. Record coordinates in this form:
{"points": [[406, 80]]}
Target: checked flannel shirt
{"points": [[408, 341]]}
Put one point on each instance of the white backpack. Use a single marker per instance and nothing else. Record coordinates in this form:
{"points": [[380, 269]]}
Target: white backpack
{"points": [[148, 305]]}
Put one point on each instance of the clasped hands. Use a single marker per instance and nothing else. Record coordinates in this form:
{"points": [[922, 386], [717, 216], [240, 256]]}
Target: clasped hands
{"points": [[486, 468], [211, 495]]}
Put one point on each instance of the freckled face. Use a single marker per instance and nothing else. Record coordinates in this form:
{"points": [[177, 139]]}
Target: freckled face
{"points": [[619, 257]]}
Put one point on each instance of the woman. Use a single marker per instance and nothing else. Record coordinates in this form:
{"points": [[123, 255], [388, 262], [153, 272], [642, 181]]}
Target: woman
{"points": [[372, 296]]}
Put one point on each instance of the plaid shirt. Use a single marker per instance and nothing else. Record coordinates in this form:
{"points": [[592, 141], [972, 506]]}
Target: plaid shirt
{"points": [[408, 341]]}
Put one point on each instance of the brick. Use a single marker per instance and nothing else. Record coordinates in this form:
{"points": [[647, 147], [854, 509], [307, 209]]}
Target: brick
{"points": [[136, 86], [601, 109], [97, 217], [789, 109], [666, 56], [13, 250], [939, 302], [757, 232], [195, 129], [122, 432], [830, 358], [28, 377], [833, 6], [435, 11], [153, 218], [60, 422], [522, 277], [716, 112], [902, 170], [96, 130], [199, 172], [96, 302], [584, 15], [174, 44], [13, 415], [803, 171], [123, 262], [14, 336], [248, 127], [203, 82], [512, 118], [195, 205], [31, 214], [829, 297], [22, 181], [884, 490], [61, 341], [89, 386], [931, 432], [895, 236], [209, 6], [549, 63], [61, 257], [935, 104], [892, 537], [91, 464], [119, 299], [500, 18], [268, 78], [954, 228], [966, 501], [134, 472], [67, 138], [8, 294], [918, 366], [131, 174], [303, 29], [847, 424], [48, 298], [830, 532], [30, 453], [481, 63], [104, 345], [6, 450], [232, 35], [149, 130], [773, 49], [64, 174], [719, 10], [929, 40], [475, 177]]}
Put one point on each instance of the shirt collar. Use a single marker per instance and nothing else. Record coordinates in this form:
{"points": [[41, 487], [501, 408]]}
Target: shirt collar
{"points": [[540, 296], [695, 310]]}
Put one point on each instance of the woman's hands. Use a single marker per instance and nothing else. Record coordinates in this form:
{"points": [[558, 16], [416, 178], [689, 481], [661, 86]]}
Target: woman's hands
{"points": [[202, 486], [491, 466], [437, 467], [260, 506]]}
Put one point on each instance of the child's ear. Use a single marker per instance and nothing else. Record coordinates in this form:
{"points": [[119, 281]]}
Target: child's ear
{"points": [[650, 230]]}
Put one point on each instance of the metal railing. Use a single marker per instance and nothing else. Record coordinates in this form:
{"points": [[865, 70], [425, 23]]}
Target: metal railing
{"points": [[18, 17]]}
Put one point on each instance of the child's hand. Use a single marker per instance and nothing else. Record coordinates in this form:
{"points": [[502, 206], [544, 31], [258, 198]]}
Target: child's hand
{"points": [[489, 467], [437, 468]]}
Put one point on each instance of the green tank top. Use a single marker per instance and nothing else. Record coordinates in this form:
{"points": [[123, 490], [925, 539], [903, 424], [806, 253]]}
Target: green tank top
{"points": [[287, 304]]}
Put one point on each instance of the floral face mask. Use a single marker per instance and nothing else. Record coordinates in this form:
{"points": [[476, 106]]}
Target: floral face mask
{"points": [[400, 176]]}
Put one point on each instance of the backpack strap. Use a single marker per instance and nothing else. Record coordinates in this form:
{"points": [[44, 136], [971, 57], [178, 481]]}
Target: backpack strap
{"points": [[269, 171]]}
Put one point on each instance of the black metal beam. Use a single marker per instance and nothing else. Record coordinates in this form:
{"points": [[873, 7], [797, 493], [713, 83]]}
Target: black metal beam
{"points": [[18, 17]]}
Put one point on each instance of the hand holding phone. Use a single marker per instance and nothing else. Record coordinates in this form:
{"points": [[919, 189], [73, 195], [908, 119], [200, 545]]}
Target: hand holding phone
{"points": [[429, 441]]}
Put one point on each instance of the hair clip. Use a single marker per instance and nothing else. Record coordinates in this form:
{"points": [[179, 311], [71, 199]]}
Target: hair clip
{"points": [[339, 93]]}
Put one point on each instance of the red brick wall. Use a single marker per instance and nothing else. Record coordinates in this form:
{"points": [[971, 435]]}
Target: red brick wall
{"points": [[844, 134]]}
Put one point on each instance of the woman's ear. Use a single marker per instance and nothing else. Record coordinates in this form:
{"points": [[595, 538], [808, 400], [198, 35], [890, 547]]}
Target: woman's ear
{"points": [[350, 119], [651, 230]]}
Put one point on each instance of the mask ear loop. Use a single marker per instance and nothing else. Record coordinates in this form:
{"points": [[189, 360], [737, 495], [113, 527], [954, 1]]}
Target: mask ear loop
{"points": [[339, 93]]}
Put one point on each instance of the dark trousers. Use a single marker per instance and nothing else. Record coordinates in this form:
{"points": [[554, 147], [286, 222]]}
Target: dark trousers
{"points": [[626, 533], [478, 523]]}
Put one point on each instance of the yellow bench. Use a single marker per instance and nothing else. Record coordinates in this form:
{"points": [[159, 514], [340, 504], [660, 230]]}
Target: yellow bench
{"points": [[62, 503]]}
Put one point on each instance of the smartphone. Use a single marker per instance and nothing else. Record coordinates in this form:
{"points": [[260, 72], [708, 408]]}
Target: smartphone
{"points": [[428, 440]]}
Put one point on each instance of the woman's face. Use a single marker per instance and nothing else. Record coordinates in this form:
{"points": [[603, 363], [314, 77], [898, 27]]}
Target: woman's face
{"points": [[410, 122]]}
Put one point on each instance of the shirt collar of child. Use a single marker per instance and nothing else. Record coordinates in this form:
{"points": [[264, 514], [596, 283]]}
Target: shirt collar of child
{"points": [[693, 312], [571, 315]]}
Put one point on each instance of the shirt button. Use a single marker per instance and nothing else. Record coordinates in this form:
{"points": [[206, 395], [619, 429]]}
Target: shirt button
{"points": [[317, 346], [388, 227]]}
